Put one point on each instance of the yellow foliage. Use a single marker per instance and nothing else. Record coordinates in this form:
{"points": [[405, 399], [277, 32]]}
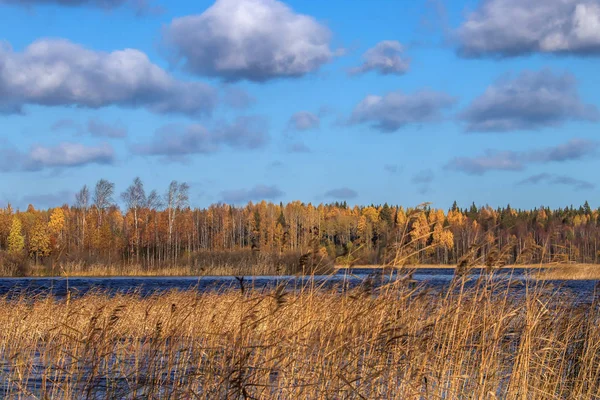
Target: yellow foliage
{"points": [[456, 218], [16, 240], [420, 229], [437, 217], [400, 218], [371, 214], [39, 241], [442, 238], [57, 221]]}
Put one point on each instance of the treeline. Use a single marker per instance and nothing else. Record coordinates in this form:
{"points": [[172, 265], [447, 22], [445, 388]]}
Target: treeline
{"points": [[154, 230]]}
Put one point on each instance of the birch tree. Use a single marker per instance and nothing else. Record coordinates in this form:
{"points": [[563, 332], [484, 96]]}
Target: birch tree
{"points": [[103, 197], [82, 201], [176, 198], [135, 198]]}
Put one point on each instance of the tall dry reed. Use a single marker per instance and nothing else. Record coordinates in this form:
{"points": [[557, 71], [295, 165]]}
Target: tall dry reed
{"points": [[477, 339]]}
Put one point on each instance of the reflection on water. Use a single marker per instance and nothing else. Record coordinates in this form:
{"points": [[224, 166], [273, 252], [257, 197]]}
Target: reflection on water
{"points": [[434, 277]]}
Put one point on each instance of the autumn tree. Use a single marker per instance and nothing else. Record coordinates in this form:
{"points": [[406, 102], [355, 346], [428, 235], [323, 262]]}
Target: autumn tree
{"points": [[16, 240], [6, 216], [82, 201], [420, 232], [56, 227], [39, 241], [103, 197], [176, 198], [135, 198], [160, 229]]}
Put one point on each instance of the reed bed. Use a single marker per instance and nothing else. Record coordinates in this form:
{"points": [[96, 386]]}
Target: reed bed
{"points": [[476, 339], [239, 263], [570, 272]]}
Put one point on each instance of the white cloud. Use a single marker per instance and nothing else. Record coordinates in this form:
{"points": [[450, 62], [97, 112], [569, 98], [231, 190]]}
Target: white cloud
{"points": [[257, 40], [52, 72], [574, 149], [395, 110], [532, 100], [68, 155], [510, 28], [176, 142], [387, 57], [63, 155]]}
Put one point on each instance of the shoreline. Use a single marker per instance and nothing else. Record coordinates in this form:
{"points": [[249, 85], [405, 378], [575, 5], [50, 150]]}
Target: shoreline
{"points": [[445, 266], [545, 271]]}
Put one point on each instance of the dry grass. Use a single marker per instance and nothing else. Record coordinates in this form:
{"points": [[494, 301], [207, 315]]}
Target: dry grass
{"points": [[198, 264], [379, 266], [73, 269], [77, 269], [576, 269], [398, 342], [570, 272]]}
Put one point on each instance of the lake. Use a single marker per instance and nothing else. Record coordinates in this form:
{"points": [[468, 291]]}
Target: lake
{"points": [[433, 277]]}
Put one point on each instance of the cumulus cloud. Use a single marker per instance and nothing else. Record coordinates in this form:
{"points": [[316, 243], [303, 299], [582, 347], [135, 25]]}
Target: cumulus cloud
{"points": [[395, 110], [343, 193], [532, 100], [575, 149], [256, 40], [258, 192], [508, 28], [303, 121], [53, 72], [386, 58], [68, 155], [576, 184], [489, 161], [175, 142], [63, 155], [139, 6]]}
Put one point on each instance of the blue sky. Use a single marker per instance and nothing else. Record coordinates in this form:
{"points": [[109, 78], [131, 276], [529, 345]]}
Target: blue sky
{"points": [[493, 101]]}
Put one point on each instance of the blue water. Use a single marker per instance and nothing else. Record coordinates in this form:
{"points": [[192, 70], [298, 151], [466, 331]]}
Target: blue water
{"points": [[434, 277]]}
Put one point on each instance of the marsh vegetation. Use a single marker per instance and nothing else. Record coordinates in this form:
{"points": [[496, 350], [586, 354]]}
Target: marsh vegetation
{"points": [[470, 340]]}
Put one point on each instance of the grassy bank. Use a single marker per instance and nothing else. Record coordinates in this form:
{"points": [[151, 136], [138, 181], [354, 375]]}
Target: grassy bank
{"points": [[199, 264], [573, 266], [398, 342], [545, 271], [570, 272], [548, 271]]}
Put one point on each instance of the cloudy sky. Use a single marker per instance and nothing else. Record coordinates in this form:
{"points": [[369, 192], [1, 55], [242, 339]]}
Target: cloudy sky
{"points": [[492, 101]]}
